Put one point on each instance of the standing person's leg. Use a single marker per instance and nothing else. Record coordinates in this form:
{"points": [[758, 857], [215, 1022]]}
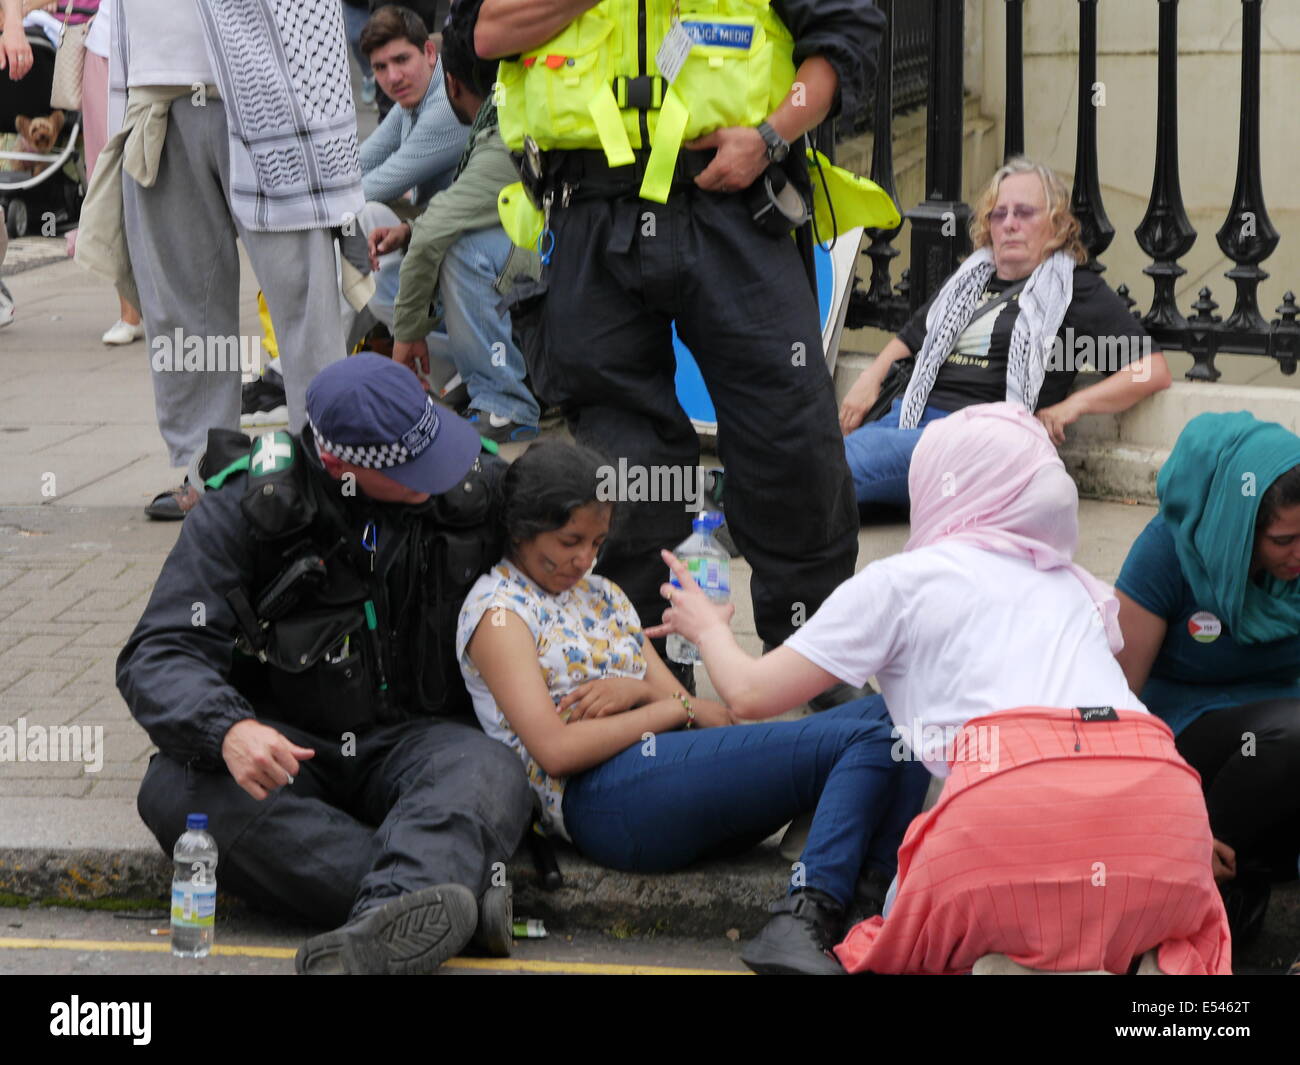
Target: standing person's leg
{"points": [[186, 263], [609, 364], [354, 21], [94, 114], [748, 315], [479, 338], [6, 298], [299, 278]]}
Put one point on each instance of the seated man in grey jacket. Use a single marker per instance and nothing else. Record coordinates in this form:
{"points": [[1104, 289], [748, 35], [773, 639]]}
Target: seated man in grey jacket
{"points": [[459, 261]]}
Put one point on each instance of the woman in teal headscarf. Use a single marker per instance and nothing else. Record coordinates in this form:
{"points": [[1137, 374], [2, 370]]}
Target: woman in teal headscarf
{"points": [[1210, 611]]}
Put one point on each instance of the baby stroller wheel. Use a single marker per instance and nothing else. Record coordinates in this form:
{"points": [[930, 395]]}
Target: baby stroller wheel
{"points": [[73, 194], [16, 217]]}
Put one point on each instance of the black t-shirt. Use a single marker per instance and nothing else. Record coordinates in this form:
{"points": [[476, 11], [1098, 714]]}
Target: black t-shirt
{"points": [[1098, 331]]}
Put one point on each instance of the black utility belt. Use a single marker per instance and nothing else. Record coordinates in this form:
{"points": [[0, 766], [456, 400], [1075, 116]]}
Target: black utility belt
{"points": [[589, 175]]}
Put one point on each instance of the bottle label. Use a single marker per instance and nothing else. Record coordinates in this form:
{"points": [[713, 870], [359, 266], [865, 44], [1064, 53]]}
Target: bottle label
{"points": [[194, 905], [712, 575]]}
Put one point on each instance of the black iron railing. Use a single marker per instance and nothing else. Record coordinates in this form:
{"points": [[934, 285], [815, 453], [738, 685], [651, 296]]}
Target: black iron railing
{"points": [[1165, 234], [908, 63]]}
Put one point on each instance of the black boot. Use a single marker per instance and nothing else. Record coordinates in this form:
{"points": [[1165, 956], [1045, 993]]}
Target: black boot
{"points": [[414, 933], [494, 934], [869, 896], [796, 941], [1245, 901]]}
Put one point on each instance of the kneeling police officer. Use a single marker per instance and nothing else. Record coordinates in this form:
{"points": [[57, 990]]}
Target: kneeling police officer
{"points": [[296, 668]]}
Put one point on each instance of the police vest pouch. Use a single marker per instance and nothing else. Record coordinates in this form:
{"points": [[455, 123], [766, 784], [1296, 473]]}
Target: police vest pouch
{"points": [[522, 221], [775, 203], [320, 678], [846, 201], [278, 501], [548, 92]]}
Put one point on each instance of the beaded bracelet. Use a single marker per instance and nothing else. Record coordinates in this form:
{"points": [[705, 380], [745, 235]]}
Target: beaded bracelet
{"points": [[686, 704]]}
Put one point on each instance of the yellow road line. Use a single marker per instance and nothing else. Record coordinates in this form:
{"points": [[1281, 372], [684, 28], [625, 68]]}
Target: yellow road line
{"points": [[494, 965], [137, 948], [583, 968]]}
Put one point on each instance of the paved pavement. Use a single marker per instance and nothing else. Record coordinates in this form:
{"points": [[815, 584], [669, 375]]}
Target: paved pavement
{"points": [[77, 560]]}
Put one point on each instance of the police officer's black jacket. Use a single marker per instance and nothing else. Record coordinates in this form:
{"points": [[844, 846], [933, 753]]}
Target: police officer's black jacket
{"points": [[360, 648]]}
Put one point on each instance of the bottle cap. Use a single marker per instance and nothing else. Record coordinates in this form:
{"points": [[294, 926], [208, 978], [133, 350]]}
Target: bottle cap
{"points": [[197, 821], [708, 521]]}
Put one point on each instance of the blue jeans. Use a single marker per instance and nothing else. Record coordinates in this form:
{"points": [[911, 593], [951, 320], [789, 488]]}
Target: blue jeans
{"points": [[724, 789], [354, 21], [879, 454], [478, 338]]}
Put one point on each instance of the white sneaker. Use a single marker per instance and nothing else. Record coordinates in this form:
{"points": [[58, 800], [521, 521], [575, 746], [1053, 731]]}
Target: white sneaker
{"points": [[121, 332], [6, 306]]}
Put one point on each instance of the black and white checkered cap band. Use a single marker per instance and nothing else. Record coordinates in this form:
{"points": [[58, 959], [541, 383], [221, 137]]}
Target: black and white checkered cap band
{"points": [[382, 456]]}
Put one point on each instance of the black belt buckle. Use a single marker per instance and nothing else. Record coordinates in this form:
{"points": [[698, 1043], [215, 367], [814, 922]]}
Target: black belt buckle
{"points": [[644, 93]]}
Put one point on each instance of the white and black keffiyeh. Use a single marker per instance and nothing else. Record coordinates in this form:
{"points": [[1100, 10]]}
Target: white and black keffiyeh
{"points": [[282, 70], [1043, 303]]}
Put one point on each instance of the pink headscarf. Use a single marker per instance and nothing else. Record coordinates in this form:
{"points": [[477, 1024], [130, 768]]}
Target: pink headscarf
{"points": [[989, 476]]}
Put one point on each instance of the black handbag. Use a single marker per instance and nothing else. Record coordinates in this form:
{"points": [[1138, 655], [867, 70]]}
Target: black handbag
{"points": [[893, 386]]}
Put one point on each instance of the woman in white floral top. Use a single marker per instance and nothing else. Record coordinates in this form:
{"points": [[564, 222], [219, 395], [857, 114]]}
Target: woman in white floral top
{"points": [[637, 774]]}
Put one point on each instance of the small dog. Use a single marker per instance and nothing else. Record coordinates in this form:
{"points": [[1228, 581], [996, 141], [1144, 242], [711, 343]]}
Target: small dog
{"points": [[37, 135]]}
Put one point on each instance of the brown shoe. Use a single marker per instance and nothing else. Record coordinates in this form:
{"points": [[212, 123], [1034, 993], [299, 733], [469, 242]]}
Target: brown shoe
{"points": [[173, 505]]}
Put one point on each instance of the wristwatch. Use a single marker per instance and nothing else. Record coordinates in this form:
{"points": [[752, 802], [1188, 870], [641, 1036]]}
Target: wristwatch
{"points": [[777, 146]]}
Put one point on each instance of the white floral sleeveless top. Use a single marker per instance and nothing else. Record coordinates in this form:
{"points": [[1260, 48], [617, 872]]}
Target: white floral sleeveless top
{"points": [[590, 631]]}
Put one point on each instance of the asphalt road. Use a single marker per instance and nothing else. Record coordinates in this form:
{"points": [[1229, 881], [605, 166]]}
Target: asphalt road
{"points": [[40, 941]]}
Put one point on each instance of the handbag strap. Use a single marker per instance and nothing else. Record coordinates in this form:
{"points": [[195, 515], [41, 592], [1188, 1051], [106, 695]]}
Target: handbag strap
{"points": [[1003, 297]]}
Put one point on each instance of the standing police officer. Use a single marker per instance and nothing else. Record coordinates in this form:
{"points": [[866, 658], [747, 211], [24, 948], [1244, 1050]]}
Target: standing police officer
{"points": [[296, 668], [661, 123]]}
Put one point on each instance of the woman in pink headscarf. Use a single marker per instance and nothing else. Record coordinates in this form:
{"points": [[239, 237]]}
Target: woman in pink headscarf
{"points": [[1070, 835]]}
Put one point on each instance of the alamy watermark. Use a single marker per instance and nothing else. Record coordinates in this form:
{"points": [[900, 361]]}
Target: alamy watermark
{"points": [[947, 743], [178, 353], [1106, 354], [21, 742], [631, 483]]}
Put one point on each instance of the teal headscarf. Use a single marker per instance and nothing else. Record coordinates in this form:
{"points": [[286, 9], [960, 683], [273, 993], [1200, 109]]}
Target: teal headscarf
{"points": [[1209, 493]]}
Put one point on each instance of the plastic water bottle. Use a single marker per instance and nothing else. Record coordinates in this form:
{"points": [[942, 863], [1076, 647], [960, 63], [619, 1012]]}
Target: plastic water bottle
{"points": [[710, 566], [194, 890]]}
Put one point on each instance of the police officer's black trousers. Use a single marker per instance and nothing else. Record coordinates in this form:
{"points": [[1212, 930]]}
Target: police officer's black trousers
{"points": [[623, 269], [413, 805]]}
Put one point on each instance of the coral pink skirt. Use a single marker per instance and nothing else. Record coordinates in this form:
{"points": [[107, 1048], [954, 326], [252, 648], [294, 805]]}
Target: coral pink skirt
{"points": [[1081, 846]]}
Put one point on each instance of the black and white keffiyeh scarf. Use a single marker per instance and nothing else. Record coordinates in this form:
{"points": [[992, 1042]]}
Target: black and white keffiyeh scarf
{"points": [[1043, 303], [282, 70]]}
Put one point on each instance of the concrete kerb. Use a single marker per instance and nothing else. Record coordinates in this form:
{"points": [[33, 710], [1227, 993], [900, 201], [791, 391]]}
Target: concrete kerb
{"points": [[707, 901]]}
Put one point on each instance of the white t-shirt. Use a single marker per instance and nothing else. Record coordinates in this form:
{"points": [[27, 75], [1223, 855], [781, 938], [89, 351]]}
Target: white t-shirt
{"points": [[100, 36], [165, 44], [953, 632]]}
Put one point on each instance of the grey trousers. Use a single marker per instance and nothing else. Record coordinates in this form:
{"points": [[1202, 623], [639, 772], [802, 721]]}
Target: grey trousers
{"points": [[181, 235]]}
